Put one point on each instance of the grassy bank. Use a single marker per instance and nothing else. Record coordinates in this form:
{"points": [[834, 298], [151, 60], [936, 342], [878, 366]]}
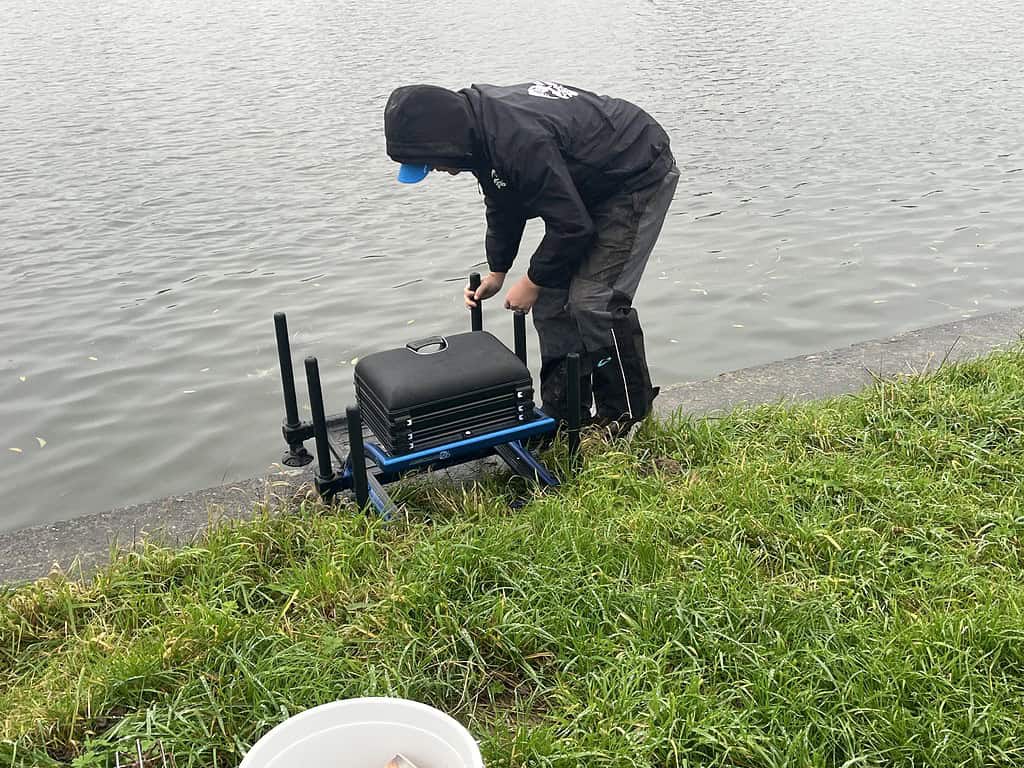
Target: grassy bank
{"points": [[837, 584]]}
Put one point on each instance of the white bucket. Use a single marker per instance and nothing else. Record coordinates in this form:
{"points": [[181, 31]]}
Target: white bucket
{"points": [[366, 733]]}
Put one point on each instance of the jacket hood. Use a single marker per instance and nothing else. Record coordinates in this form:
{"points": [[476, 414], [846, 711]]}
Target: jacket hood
{"points": [[430, 125]]}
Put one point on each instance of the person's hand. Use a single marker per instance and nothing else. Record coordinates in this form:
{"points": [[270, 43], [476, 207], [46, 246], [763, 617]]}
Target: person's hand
{"points": [[489, 285], [522, 296]]}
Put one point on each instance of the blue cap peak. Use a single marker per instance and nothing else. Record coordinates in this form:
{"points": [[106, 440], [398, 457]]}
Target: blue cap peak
{"points": [[411, 173]]}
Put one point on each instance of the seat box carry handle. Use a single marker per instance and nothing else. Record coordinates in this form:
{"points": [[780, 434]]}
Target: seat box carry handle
{"points": [[421, 346]]}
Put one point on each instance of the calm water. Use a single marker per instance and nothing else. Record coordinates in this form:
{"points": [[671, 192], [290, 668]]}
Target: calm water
{"points": [[172, 173]]}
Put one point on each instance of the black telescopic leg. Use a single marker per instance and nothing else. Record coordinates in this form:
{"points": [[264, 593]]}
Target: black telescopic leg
{"points": [[284, 355], [519, 327], [476, 314], [357, 456], [572, 373], [325, 470], [297, 455]]}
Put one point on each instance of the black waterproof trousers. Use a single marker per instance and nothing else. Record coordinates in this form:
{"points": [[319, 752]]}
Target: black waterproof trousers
{"points": [[595, 317]]}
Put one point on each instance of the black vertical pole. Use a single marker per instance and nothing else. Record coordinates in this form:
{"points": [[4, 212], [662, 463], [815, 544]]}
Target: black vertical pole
{"points": [[519, 327], [325, 470], [476, 314], [356, 456], [284, 355], [572, 373]]}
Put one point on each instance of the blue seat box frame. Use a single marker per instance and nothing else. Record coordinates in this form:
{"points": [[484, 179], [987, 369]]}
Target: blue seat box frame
{"points": [[352, 473]]}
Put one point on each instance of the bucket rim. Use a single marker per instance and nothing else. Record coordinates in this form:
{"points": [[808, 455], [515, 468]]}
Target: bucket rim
{"points": [[469, 742]]}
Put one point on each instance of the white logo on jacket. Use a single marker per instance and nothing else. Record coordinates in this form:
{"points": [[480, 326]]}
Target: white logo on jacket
{"points": [[549, 90], [499, 183]]}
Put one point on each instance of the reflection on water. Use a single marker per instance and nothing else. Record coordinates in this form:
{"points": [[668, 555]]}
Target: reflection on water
{"points": [[171, 174]]}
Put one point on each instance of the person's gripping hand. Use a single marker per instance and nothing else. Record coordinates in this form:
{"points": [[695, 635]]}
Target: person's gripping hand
{"points": [[522, 296], [489, 285]]}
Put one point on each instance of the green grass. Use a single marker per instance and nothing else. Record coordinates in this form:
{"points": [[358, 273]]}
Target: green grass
{"points": [[836, 584]]}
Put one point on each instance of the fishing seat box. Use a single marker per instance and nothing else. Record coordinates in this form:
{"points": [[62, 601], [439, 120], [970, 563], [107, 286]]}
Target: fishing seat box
{"points": [[440, 390]]}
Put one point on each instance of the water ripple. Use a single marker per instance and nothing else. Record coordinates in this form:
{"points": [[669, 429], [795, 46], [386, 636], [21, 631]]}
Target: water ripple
{"points": [[171, 174]]}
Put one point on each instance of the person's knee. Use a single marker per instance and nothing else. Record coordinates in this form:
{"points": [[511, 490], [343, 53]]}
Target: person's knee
{"points": [[598, 306], [549, 309], [585, 295]]}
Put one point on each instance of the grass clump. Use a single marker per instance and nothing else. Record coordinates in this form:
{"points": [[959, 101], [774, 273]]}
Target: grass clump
{"points": [[832, 584]]}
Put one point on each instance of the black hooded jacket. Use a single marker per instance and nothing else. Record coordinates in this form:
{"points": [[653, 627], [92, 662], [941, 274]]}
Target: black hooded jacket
{"points": [[537, 149]]}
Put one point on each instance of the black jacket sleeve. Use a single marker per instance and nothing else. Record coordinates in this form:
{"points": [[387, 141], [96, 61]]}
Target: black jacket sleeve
{"points": [[505, 226], [550, 193]]}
